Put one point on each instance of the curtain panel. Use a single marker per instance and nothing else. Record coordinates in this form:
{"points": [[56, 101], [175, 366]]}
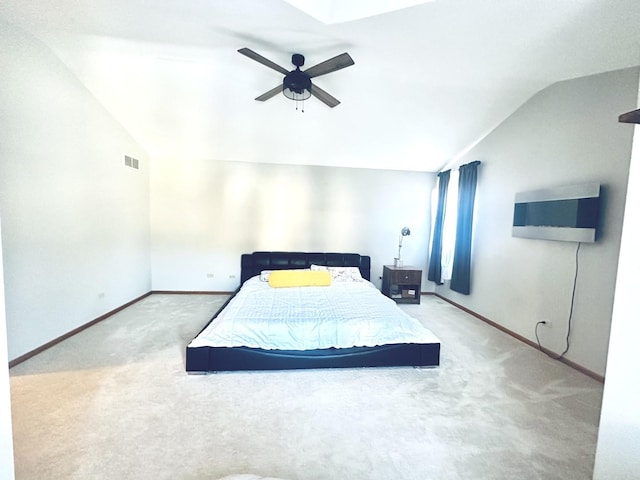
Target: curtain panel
{"points": [[435, 260], [461, 273]]}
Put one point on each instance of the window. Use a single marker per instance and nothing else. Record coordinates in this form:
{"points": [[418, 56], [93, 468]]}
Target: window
{"points": [[449, 227], [450, 257]]}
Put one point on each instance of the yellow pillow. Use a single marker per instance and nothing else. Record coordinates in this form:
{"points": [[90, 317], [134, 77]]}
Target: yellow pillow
{"points": [[299, 278]]}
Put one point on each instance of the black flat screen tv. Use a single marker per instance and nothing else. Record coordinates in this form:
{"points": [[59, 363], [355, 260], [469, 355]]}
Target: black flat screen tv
{"points": [[568, 213]]}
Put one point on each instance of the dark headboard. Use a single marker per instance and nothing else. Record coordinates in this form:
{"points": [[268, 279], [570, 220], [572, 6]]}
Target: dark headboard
{"points": [[252, 264]]}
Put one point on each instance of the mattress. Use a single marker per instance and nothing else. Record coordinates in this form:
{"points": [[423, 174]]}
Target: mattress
{"points": [[342, 315]]}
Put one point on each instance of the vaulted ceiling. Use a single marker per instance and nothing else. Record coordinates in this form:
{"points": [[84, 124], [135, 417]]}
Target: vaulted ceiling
{"points": [[429, 79]]}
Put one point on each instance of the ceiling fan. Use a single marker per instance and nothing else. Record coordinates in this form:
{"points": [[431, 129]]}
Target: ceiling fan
{"points": [[297, 83]]}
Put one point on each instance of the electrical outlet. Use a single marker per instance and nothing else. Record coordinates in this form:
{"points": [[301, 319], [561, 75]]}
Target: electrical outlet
{"points": [[209, 275], [546, 323]]}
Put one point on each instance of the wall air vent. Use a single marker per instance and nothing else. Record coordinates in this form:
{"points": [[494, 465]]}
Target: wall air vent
{"points": [[131, 162]]}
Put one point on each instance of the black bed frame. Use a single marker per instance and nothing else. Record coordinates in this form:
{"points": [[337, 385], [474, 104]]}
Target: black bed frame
{"points": [[211, 359]]}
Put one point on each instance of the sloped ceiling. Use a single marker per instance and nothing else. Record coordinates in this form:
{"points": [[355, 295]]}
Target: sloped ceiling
{"points": [[429, 79]]}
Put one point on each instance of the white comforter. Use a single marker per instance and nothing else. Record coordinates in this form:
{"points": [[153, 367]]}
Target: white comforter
{"points": [[343, 315]]}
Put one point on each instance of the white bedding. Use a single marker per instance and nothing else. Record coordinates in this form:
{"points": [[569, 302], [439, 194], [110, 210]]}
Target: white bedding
{"points": [[343, 315]]}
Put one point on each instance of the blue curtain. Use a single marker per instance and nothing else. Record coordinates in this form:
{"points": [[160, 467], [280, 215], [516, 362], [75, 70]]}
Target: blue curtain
{"points": [[435, 261], [461, 271]]}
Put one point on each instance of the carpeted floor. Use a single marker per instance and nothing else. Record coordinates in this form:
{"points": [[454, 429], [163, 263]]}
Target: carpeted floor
{"points": [[114, 402]]}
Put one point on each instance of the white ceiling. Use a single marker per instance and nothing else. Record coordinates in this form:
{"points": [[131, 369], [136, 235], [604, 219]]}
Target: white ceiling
{"points": [[429, 80]]}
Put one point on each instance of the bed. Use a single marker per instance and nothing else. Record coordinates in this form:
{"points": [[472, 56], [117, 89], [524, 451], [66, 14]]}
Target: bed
{"points": [[213, 349]]}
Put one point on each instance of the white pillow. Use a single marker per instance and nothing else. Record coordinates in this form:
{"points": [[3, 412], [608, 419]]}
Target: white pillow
{"points": [[264, 275], [341, 274]]}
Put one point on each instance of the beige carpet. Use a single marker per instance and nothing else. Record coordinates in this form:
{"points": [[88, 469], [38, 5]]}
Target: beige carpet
{"points": [[114, 402]]}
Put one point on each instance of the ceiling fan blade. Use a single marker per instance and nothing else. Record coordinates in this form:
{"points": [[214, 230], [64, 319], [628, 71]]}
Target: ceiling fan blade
{"points": [[271, 93], [264, 61], [324, 96], [336, 63]]}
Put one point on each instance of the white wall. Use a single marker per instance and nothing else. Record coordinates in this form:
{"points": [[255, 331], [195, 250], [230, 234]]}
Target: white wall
{"points": [[205, 214], [75, 229], [6, 434], [566, 134], [618, 451]]}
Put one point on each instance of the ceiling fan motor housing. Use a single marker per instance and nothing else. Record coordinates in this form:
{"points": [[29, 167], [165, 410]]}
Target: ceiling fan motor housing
{"points": [[297, 82]]}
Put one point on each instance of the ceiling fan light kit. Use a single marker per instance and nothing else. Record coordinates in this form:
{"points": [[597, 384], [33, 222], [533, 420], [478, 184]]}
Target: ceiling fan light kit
{"points": [[297, 84]]}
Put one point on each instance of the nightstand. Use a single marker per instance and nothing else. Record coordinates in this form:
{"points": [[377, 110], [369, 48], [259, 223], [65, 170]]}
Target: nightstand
{"points": [[402, 284]]}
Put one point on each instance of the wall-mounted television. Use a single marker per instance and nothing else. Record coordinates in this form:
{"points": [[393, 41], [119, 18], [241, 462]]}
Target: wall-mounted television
{"points": [[568, 213]]}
